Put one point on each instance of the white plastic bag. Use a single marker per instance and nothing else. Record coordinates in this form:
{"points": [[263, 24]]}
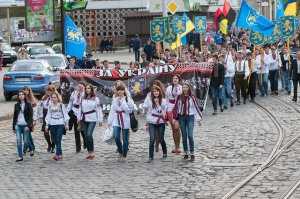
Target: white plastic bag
{"points": [[108, 136]]}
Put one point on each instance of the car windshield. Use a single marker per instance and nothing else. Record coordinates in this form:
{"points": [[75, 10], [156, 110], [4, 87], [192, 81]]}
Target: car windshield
{"points": [[36, 51], [54, 61], [27, 66]]}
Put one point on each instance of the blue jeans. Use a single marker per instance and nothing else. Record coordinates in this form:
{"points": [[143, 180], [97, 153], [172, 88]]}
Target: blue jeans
{"points": [[286, 80], [186, 124], [122, 148], [263, 83], [227, 90], [88, 129], [217, 94], [21, 135], [57, 133], [154, 131], [26, 147]]}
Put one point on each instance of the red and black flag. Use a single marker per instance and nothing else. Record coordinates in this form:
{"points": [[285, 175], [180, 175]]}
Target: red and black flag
{"points": [[224, 17]]}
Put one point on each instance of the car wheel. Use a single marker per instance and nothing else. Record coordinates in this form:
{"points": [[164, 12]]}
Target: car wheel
{"points": [[7, 96]]}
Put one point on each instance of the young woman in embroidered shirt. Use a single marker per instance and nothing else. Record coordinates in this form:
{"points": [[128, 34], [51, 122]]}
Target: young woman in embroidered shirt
{"points": [[43, 109], [22, 124], [32, 100], [90, 114], [156, 108], [73, 110], [187, 111], [119, 119], [57, 120], [172, 92]]}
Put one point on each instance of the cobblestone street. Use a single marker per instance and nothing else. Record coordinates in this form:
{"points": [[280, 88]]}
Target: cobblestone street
{"points": [[229, 147]]}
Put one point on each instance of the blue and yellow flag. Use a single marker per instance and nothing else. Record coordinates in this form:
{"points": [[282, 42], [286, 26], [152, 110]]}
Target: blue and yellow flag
{"points": [[257, 38], [200, 24], [249, 18], [157, 30], [179, 24], [287, 25], [290, 7], [75, 44]]}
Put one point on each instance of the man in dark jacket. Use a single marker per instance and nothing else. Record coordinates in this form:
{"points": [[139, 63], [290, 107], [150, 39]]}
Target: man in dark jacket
{"points": [[295, 74], [217, 82], [149, 50], [286, 59], [136, 48]]}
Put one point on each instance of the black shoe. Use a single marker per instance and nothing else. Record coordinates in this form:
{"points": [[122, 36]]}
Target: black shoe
{"points": [[78, 150], [19, 160], [231, 103], [185, 157], [225, 107], [31, 153], [294, 99], [222, 109], [244, 101], [150, 160], [52, 149], [164, 156], [192, 158], [49, 149], [215, 112]]}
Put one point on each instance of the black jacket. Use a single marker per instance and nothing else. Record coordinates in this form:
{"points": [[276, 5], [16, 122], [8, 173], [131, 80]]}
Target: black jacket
{"points": [[28, 114], [285, 62], [218, 76], [294, 70]]}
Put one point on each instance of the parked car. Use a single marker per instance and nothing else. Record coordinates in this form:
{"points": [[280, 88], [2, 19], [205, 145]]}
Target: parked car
{"points": [[9, 55], [57, 48], [31, 45], [57, 61], [33, 51], [34, 73]]}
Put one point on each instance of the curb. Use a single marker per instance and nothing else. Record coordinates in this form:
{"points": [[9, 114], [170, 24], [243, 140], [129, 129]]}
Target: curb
{"points": [[6, 117]]}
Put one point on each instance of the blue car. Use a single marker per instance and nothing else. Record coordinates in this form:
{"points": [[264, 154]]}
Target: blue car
{"points": [[34, 73]]}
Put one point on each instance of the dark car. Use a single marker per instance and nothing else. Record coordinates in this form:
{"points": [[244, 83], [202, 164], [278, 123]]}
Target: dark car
{"points": [[9, 55]]}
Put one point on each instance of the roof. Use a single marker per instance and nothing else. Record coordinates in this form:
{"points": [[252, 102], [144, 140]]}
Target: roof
{"points": [[143, 14], [117, 4]]}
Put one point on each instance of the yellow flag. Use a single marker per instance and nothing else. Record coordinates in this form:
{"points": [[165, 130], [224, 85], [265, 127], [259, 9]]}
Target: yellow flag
{"points": [[189, 27], [223, 25], [291, 9]]}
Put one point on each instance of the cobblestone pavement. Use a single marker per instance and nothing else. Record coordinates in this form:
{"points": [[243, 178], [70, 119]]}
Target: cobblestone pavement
{"points": [[229, 147]]}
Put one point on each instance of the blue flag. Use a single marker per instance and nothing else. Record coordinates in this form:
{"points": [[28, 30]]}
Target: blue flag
{"points": [[249, 18], [75, 44], [279, 10]]}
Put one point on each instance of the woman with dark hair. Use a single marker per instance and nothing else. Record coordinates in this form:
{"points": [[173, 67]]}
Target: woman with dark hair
{"points": [[32, 100], [43, 109], [90, 114], [156, 108], [73, 110], [172, 92], [187, 110], [57, 120], [122, 105], [22, 124]]}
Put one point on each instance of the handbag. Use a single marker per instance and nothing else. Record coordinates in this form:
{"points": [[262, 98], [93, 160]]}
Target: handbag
{"points": [[133, 122], [108, 136]]}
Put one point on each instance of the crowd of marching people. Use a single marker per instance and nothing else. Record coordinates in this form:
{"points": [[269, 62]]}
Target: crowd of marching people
{"points": [[175, 104], [240, 72]]}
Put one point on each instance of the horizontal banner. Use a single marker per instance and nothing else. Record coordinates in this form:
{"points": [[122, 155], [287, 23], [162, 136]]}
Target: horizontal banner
{"points": [[138, 81]]}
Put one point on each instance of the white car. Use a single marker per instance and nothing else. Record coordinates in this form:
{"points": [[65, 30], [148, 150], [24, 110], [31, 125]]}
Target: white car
{"points": [[57, 61]]}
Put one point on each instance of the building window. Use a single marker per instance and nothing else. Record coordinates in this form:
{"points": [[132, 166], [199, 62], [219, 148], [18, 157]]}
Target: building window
{"points": [[87, 34]]}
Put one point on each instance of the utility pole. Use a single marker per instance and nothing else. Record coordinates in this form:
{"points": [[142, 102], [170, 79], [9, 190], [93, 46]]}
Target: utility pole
{"points": [[8, 25], [62, 23]]}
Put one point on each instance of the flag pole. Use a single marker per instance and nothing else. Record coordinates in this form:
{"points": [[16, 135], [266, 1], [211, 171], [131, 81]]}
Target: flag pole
{"points": [[62, 19]]}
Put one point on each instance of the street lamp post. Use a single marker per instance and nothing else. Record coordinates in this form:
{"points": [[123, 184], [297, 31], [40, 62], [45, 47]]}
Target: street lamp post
{"points": [[8, 24]]}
